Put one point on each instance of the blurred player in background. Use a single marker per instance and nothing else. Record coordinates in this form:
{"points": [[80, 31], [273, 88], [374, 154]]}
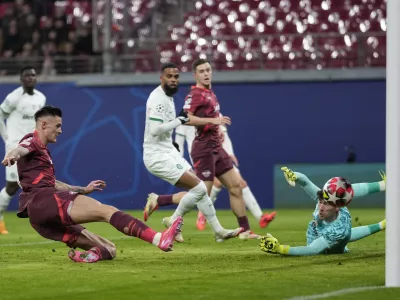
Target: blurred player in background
{"points": [[56, 209], [162, 159], [187, 134], [330, 230], [18, 108]]}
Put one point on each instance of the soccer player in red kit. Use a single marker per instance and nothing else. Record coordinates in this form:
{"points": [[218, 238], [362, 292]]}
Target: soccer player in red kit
{"points": [[209, 158], [56, 209]]}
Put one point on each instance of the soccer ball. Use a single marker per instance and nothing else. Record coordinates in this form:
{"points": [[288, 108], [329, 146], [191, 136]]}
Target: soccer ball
{"points": [[338, 191]]}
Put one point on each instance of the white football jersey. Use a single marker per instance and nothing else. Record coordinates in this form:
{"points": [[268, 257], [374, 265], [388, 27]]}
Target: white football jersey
{"points": [[21, 108], [160, 108]]}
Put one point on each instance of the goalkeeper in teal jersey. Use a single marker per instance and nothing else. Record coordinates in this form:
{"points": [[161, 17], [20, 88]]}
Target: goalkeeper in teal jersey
{"points": [[330, 230]]}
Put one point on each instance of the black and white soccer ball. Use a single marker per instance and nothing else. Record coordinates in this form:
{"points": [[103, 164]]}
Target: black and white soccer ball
{"points": [[338, 191]]}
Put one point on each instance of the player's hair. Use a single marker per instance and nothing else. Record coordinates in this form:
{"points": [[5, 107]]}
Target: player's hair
{"points": [[168, 65], [48, 110], [320, 195], [198, 62], [26, 68]]}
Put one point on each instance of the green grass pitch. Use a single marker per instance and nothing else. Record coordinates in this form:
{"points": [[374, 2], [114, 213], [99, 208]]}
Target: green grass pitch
{"points": [[34, 268]]}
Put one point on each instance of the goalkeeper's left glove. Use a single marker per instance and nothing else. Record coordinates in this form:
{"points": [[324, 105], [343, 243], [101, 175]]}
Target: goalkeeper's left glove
{"points": [[382, 183], [271, 245]]}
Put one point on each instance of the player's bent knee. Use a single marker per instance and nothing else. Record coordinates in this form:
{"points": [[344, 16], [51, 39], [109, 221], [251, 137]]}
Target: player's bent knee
{"points": [[106, 211], [243, 183], [235, 189], [199, 190]]}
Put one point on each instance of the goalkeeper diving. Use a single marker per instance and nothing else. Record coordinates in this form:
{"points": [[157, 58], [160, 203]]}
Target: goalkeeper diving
{"points": [[330, 230]]}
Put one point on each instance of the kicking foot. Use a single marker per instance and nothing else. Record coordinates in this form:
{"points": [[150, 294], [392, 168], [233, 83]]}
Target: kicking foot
{"points": [[290, 176], [3, 229], [169, 235], [151, 206], [83, 256], [249, 235], [168, 223], [266, 219], [227, 234], [201, 221]]}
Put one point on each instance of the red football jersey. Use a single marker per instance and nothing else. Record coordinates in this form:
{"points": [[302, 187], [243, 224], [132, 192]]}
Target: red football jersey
{"points": [[204, 104]]}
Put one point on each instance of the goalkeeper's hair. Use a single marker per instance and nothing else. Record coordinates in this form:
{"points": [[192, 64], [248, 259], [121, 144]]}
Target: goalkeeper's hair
{"points": [[320, 195]]}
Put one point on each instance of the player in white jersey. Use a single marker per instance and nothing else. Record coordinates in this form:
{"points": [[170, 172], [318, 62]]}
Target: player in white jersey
{"points": [[163, 160], [18, 110], [187, 133]]}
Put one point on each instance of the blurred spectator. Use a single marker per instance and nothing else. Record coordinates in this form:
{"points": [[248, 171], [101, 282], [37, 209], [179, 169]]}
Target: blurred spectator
{"points": [[27, 33]]}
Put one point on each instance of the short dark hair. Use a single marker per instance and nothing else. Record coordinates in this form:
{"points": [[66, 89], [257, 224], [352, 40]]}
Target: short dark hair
{"points": [[168, 65], [48, 110], [26, 68], [198, 62]]}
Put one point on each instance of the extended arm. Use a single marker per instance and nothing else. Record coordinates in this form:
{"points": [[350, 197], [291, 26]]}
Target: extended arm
{"points": [[15, 154], [61, 186], [271, 245], [157, 128], [96, 185], [197, 121]]}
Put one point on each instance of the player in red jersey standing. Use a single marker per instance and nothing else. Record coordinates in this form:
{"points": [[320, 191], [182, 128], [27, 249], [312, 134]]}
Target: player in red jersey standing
{"points": [[56, 209]]}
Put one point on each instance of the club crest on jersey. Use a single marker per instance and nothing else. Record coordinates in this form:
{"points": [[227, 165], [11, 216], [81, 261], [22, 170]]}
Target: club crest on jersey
{"points": [[206, 173]]}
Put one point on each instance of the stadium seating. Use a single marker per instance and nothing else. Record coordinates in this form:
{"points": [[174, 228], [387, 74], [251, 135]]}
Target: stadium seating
{"points": [[275, 34]]}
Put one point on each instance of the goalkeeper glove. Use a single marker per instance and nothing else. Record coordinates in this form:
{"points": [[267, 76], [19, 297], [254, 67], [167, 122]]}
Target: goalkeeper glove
{"points": [[290, 176], [183, 117], [383, 175], [176, 146], [271, 245]]}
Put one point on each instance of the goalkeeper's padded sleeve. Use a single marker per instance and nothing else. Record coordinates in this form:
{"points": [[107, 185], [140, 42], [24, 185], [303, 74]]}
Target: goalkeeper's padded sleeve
{"points": [[316, 247], [362, 189], [307, 185]]}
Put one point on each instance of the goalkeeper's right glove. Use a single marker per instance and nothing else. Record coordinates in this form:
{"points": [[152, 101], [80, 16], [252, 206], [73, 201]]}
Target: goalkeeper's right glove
{"points": [[271, 245], [383, 175], [183, 117], [290, 176]]}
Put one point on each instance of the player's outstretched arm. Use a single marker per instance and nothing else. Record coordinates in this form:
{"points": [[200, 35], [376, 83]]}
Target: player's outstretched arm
{"points": [[271, 245], [15, 154], [96, 185], [366, 188], [197, 121], [157, 127], [306, 184]]}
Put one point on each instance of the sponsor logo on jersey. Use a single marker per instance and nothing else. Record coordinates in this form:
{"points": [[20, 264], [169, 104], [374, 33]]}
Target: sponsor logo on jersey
{"points": [[25, 117], [179, 166]]}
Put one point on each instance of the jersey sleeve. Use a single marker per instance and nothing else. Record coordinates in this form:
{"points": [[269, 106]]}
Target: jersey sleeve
{"points": [[9, 104], [193, 102], [156, 109], [29, 143]]}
